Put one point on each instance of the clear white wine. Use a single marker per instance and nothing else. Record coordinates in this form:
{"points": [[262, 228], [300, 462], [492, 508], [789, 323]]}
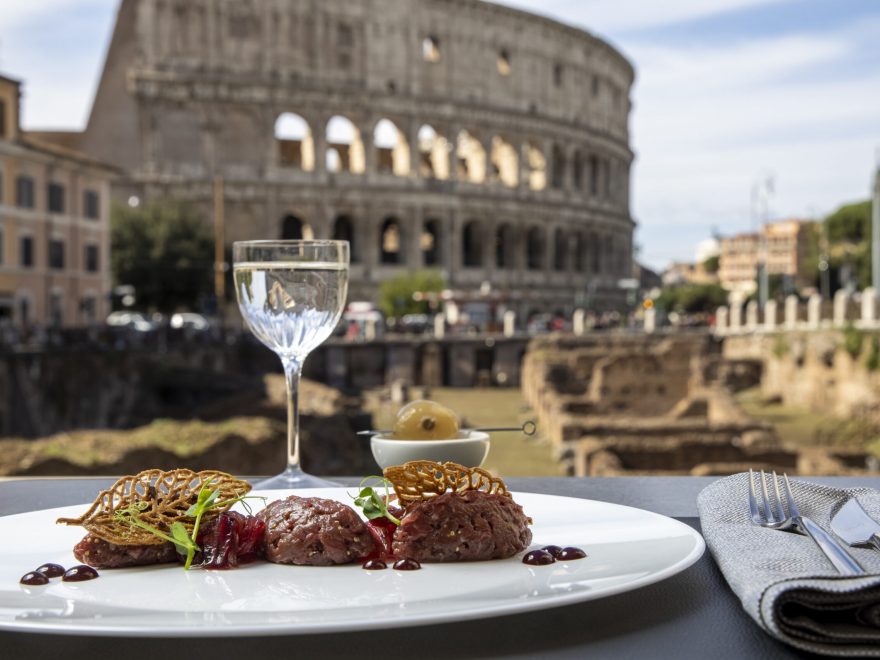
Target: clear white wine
{"points": [[291, 306]]}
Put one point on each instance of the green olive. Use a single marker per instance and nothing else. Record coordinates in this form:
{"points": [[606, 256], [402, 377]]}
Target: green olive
{"points": [[425, 420]]}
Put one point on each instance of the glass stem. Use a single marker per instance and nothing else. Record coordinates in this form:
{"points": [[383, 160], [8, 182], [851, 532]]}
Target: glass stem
{"points": [[292, 370]]}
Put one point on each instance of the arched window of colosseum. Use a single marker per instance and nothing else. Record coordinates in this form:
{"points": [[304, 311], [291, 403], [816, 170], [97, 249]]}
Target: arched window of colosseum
{"points": [[504, 246], [295, 145], [471, 158], [503, 62], [431, 49], [610, 260], [433, 154], [560, 251], [430, 243], [580, 249], [294, 229], [535, 249], [345, 150], [537, 164], [606, 177], [392, 150], [472, 245], [391, 242], [595, 254], [558, 71], [593, 174], [343, 230], [558, 167], [577, 170], [505, 164]]}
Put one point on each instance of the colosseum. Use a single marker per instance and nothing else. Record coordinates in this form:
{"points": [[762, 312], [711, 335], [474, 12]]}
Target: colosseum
{"points": [[483, 141]]}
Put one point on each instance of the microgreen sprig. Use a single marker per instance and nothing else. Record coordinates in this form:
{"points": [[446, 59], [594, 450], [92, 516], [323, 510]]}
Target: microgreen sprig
{"points": [[372, 503]]}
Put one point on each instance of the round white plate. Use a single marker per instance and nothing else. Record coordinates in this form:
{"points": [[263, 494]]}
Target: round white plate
{"points": [[626, 547]]}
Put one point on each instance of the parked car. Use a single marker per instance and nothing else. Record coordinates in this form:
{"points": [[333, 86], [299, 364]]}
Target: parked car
{"points": [[130, 320]]}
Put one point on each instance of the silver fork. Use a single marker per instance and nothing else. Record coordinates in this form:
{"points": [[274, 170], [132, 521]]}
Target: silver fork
{"points": [[772, 515]]}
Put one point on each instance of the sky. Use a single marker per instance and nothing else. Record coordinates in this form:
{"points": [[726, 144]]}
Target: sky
{"points": [[733, 99]]}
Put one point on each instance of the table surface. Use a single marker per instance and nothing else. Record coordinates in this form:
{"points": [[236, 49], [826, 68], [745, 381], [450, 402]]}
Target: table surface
{"points": [[691, 615]]}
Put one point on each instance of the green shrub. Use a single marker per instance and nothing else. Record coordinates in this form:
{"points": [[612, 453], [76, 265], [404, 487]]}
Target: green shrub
{"points": [[873, 361], [852, 341]]}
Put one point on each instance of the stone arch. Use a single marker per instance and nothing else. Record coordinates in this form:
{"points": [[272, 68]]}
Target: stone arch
{"points": [[505, 246], [343, 230], [392, 149], [560, 250], [537, 165], [595, 254], [577, 170], [557, 169], [609, 262], [295, 229], [295, 146], [535, 249], [472, 245], [593, 174], [505, 164], [471, 158], [433, 153], [345, 149], [430, 243], [391, 243], [580, 252]]}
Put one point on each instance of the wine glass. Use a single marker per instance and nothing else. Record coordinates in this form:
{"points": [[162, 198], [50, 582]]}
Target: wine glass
{"points": [[291, 295]]}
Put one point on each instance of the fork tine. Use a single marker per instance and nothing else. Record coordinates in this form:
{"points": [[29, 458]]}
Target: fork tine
{"points": [[792, 507], [769, 514], [779, 507], [753, 501]]}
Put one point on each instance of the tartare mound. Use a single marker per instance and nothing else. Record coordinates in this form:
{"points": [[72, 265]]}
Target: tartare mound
{"points": [[98, 553]]}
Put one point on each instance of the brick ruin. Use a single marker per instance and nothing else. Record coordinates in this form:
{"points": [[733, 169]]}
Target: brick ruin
{"points": [[638, 405]]}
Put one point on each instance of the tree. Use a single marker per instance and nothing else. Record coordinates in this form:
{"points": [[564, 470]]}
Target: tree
{"points": [[165, 251], [396, 295], [849, 236], [710, 265], [692, 298]]}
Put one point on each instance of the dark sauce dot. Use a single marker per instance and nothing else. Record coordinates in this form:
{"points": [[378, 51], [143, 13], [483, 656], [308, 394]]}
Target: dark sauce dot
{"points": [[374, 565], [406, 565], [567, 554], [538, 558], [51, 570], [33, 579], [553, 550], [79, 573]]}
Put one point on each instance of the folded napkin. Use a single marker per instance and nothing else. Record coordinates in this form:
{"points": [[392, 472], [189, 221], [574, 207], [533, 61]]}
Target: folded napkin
{"points": [[784, 581]]}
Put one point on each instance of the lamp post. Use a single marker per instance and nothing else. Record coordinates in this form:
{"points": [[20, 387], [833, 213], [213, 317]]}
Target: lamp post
{"points": [[875, 231]]}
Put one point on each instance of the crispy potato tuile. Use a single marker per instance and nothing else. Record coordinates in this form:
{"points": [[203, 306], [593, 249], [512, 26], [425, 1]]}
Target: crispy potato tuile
{"points": [[417, 481], [162, 498]]}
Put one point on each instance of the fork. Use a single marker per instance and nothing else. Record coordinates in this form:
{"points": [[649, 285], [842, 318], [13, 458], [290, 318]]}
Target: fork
{"points": [[772, 515]]}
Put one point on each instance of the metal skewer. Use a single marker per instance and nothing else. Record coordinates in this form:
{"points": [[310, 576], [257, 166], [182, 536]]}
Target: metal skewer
{"points": [[528, 428]]}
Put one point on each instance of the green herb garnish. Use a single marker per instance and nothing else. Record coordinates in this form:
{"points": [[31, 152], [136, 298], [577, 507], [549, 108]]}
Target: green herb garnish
{"points": [[372, 503]]}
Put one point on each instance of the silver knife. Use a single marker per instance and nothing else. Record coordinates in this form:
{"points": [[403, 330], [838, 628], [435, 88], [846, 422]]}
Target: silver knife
{"points": [[853, 524]]}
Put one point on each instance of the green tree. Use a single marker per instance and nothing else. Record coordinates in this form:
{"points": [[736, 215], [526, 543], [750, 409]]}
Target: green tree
{"points": [[165, 251], [851, 223], [710, 265], [692, 298], [396, 295]]}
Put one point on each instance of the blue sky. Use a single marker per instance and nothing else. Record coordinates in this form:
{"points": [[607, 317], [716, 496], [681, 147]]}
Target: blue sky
{"points": [[728, 93]]}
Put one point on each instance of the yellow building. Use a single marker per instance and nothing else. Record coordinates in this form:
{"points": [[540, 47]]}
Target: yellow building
{"points": [[54, 227], [783, 246]]}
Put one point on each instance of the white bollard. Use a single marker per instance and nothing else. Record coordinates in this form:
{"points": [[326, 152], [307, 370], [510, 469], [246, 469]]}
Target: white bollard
{"points": [[370, 330], [814, 311], [752, 315], [509, 323], [721, 320], [439, 326], [841, 302], [869, 306], [770, 315], [650, 320], [577, 322], [791, 312], [736, 311]]}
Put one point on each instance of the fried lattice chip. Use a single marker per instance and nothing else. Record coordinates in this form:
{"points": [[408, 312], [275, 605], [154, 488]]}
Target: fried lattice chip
{"points": [[420, 480], [158, 498]]}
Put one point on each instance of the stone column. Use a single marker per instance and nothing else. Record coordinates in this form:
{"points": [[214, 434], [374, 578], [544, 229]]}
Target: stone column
{"points": [[841, 304], [523, 181], [509, 323], [365, 127], [791, 312], [735, 316], [814, 311], [451, 136], [770, 315], [414, 238], [486, 143], [752, 315], [650, 320], [318, 122], [577, 322], [869, 306], [721, 320]]}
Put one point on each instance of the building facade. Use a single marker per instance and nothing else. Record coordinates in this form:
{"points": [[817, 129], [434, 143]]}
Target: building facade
{"points": [[54, 228], [479, 140], [784, 246]]}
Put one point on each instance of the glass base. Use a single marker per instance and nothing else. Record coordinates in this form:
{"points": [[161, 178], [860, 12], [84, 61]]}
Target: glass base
{"points": [[294, 478]]}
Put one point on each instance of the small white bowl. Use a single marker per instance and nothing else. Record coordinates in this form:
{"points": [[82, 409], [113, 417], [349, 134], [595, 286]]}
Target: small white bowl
{"points": [[469, 451]]}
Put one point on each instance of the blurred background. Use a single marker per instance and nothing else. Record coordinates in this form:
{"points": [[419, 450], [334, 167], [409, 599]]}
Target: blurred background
{"points": [[654, 228]]}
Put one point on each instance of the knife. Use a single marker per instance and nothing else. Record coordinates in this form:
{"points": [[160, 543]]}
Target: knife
{"points": [[853, 524]]}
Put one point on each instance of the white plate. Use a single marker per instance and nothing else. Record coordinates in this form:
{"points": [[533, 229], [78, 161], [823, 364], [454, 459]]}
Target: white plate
{"points": [[627, 548]]}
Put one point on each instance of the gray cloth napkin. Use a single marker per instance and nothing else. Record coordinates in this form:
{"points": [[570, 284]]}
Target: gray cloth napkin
{"points": [[784, 581]]}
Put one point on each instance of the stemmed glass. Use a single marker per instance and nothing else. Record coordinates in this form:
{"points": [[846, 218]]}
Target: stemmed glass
{"points": [[291, 295]]}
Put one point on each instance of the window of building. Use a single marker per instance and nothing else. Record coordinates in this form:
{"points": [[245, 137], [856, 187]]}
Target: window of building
{"points": [[24, 192], [91, 205], [56, 198], [92, 258], [594, 86], [56, 316], [557, 74], [504, 63], [344, 45], [26, 254], [56, 254], [431, 49]]}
